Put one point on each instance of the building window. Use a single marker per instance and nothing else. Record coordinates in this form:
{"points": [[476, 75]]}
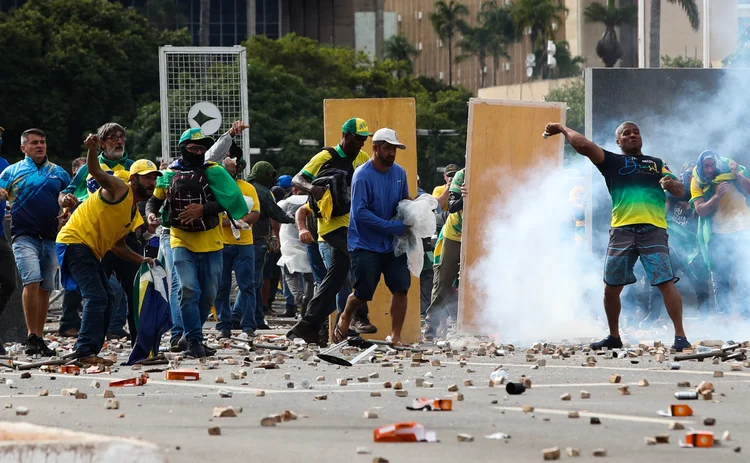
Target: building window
{"points": [[267, 18]]}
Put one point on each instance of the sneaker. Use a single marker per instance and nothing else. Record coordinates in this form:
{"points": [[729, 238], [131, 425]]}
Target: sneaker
{"points": [[210, 351], [236, 325], [32, 347], [179, 345], [96, 360], [264, 326], [362, 325], [224, 334], [290, 311], [43, 349], [118, 334], [195, 350], [2, 349], [610, 342], [306, 331], [250, 333], [681, 342]]}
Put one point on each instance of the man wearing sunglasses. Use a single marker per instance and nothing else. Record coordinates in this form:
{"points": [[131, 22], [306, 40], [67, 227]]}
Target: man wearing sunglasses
{"points": [[441, 192], [346, 156]]}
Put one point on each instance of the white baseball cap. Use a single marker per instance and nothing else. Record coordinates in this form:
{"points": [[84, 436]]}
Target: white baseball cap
{"points": [[388, 136]]}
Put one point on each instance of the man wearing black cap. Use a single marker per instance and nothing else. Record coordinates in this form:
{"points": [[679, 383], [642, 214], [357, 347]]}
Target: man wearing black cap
{"points": [[338, 161], [442, 192]]}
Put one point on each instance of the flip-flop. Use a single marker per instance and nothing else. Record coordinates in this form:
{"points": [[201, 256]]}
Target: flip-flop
{"points": [[338, 336]]}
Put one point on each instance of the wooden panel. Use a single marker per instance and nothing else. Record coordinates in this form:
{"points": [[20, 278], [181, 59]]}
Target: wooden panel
{"points": [[400, 115], [504, 140]]}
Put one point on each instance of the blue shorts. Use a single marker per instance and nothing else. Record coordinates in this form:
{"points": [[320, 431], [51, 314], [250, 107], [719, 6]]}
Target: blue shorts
{"points": [[36, 260], [367, 266], [627, 244]]}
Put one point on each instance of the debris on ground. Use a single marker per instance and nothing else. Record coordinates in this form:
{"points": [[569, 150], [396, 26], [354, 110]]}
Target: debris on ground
{"points": [[551, 454]]}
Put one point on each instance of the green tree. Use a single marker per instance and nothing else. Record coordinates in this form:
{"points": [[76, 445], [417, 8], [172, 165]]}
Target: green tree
{"points": [[573, 94], [401, 51], [70, 65], [539, 16], [567, 65], [654, 47], [476, 41], [499, 21], [680, 62], [608, 48], [447, 20], [144, 135]]}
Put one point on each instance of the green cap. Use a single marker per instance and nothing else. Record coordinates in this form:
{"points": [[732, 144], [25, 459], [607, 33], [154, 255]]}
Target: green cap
{"points": [[356, 126], [197, 136]]}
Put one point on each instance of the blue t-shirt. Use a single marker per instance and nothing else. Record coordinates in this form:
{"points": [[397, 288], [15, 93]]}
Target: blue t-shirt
{"points": [[32, 191], [3, 165], [375, 197]]}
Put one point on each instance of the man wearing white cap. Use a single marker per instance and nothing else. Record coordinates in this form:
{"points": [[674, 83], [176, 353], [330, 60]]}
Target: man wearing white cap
{"points": [[377, 187]]}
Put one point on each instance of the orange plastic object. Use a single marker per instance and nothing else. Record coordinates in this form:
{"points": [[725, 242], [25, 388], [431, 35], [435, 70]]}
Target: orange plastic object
{"points": [[137, 381], [432, 405], [183, 375], [681, 410], [403, 432], [700, 439], [71, 369]]}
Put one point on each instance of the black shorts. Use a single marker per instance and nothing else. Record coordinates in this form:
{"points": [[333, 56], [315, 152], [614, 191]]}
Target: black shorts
{"points": [[367, 266]]}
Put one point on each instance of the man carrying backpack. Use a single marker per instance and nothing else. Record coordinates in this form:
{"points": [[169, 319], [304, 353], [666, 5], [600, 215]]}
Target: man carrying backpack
{"points": [[195, 234], [327, 180]]}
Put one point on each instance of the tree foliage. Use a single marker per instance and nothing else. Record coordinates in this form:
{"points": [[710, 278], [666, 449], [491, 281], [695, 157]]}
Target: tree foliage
{"points": [[71, 65], [398, 49], [538, 16], [447, 20], [573, 94], [680, 62]]}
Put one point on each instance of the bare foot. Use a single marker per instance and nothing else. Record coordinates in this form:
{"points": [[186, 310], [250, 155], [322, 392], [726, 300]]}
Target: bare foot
{"points": [[396, 341]]}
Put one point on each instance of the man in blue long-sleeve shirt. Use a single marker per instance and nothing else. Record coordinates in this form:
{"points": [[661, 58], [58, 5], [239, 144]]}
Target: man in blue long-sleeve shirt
{"points": [[377, 187]]}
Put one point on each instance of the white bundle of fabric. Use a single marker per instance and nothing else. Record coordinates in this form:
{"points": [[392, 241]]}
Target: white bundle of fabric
{"points": [[418, 215]]}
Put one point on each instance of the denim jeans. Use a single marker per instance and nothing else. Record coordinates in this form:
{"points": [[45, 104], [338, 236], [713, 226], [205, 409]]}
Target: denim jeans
{"points": [[98, 298], [260, 259], [70, 320], [316, 262], [174, 289], [199, 274], [120, 310], [8, 283], [241, 259]]}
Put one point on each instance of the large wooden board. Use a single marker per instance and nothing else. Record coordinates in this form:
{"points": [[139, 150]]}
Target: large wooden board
{"points": [[504, 139], [400, 115]]}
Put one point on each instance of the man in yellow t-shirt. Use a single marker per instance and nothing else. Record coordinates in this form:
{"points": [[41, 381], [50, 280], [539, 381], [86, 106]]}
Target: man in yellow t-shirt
{"points": [[238, 256], [98, 225], [442, 192], [719, 192], [195, 237], [346, 156]]}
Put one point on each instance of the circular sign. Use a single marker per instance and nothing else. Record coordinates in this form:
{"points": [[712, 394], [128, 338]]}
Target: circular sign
{"points": [[205, 116]]}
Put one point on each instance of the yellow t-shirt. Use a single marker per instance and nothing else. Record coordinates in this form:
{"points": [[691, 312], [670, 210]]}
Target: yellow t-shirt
{"points": [[99, 224], [731, 215], [438, 191], [246, 236], [311, 170]]}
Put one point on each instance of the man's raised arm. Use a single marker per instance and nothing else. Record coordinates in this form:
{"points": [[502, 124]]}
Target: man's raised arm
{"points": [[579, 143], [113, 189]]}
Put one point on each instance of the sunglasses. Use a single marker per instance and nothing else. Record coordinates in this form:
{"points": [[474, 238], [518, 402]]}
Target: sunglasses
{"points": [[117, 137], [360, 138], [196, 149]]}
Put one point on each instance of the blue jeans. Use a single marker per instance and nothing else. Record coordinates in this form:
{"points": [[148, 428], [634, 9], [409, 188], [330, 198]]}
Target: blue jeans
{"points": [[98, 297], [120, 311], [70, 307], [198, 274], [346, 287], [174, 289], [241, 259], [36, 260], [316, 262], [260, 259]]}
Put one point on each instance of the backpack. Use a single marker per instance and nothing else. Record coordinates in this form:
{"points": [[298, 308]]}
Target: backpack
{"points": [[336, 175], [190, 186]]}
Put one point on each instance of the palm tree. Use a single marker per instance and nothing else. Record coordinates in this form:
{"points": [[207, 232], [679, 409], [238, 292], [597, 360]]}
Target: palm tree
{"points": [[401, 51], [476, 41], [499, 20], [608, 47], [538, 16], [204, 25], [447, 20], [654, 47]]}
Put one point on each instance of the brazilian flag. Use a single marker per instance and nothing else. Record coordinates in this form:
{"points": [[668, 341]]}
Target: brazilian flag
{"points": [[152, 315]]}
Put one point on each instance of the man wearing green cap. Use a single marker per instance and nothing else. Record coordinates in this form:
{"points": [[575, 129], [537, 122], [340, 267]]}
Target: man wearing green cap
{"points": [[195, 234], [346, 156]]}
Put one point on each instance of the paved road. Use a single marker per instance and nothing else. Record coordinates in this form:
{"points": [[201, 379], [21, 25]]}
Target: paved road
{"points": [[176, 415]]}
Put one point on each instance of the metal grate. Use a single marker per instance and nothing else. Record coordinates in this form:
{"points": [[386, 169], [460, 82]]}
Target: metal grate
{"points": [[202, 87]]}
